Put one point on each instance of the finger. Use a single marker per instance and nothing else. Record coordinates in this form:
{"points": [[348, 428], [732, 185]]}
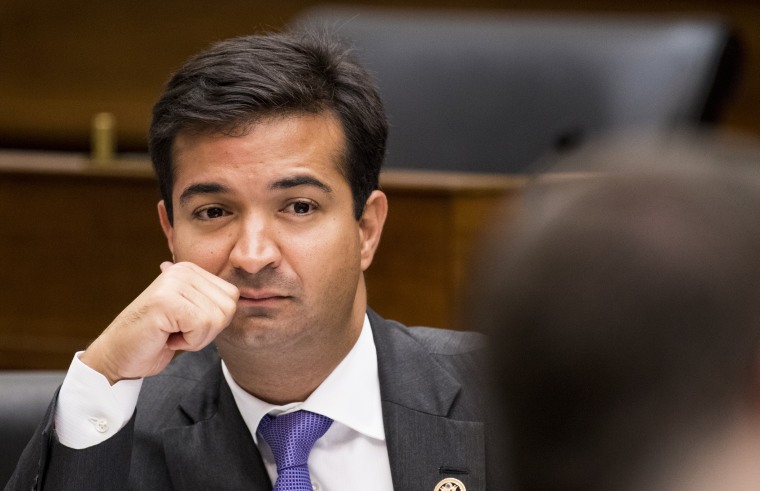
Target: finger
{"points": [[166, 265], [207, 292], [177, 342], [228, 288], [202, 305], [198, 318]]}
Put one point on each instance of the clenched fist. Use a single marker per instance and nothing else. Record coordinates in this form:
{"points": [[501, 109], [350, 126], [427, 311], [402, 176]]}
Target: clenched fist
{"points": [[183, 309]]}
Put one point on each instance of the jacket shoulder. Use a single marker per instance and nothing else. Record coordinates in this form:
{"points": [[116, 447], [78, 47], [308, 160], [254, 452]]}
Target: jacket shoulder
{"points": [[439, 341], [435, 340]]}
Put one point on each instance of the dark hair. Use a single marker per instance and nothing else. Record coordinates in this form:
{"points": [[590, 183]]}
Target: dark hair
{"points": [[624, 310], [237, 82]]}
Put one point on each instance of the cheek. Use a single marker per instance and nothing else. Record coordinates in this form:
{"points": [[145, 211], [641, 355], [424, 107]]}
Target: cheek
{"points": [[211, 254], [332, 254], [342, 271]]}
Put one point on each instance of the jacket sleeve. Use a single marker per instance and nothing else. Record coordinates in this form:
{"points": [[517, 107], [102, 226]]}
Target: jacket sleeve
{"points": [[46, 464]]}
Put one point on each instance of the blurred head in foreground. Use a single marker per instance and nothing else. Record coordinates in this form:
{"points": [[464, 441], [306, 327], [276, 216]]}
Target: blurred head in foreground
{"points": [[624, 308]]}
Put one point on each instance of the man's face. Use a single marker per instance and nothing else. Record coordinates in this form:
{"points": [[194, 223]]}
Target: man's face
{"points": [[271, 213]]}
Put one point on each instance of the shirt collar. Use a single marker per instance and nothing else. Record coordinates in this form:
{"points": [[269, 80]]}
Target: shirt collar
{"points": [[350, 395]]}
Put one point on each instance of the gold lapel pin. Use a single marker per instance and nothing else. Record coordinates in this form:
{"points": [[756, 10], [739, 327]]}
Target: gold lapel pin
{"points": [[450, 484]]}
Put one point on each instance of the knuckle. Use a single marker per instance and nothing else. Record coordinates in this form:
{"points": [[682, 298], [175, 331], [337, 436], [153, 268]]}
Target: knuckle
{"points": [[229, 307]]}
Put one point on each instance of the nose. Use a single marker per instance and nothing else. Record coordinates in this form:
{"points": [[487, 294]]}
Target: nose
{"points": [[255, 246]]}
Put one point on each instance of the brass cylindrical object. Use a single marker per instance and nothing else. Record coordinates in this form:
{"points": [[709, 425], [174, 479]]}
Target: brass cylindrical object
{"points": [[103, 139]]}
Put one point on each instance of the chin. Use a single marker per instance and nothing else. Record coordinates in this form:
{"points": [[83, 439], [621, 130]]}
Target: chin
{"points": [[255, 333]]}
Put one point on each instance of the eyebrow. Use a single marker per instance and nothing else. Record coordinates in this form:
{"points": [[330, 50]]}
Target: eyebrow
{"points": [[216, 188], [202, 188], [292, 182]]}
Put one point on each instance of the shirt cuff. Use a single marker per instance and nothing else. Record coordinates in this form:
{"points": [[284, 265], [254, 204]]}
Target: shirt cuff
{"points": [[90, 410]]}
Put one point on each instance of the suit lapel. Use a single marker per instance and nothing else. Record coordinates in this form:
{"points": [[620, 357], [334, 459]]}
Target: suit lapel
{"points": [[424, 444], [216, 450]]}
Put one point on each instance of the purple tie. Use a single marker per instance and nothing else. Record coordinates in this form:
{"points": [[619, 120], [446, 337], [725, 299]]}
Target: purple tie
{"points": [[291, 436]]}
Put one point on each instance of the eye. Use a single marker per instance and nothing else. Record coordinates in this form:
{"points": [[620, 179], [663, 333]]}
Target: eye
{"points": [[210, 213], [301, 207]]}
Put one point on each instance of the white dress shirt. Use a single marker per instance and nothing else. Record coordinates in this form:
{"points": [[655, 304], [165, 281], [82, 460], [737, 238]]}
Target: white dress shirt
{"points": [[351, 455]]}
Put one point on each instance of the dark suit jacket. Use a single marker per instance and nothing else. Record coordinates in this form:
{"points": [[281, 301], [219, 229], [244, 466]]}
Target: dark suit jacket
{"points": [[187, 432]]}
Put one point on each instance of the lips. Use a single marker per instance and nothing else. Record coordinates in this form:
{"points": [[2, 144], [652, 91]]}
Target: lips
{"points": [[262, 296]]}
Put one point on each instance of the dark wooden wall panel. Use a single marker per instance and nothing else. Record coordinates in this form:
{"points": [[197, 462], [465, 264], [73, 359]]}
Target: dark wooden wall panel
{"points": [[74, 250]]}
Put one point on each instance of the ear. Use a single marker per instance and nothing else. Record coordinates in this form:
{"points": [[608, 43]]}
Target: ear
{"points": [[163, 217], [371, 226]]}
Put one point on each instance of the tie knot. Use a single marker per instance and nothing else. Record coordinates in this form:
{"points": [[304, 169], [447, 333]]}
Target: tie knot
{"points": [[291, 436]]}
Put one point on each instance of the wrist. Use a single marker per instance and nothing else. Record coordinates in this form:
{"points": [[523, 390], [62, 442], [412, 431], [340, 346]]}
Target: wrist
{"points": [[98, 363]]}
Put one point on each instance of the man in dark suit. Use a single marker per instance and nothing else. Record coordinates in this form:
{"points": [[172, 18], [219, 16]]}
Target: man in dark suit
{"points": [[268, 151]]}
